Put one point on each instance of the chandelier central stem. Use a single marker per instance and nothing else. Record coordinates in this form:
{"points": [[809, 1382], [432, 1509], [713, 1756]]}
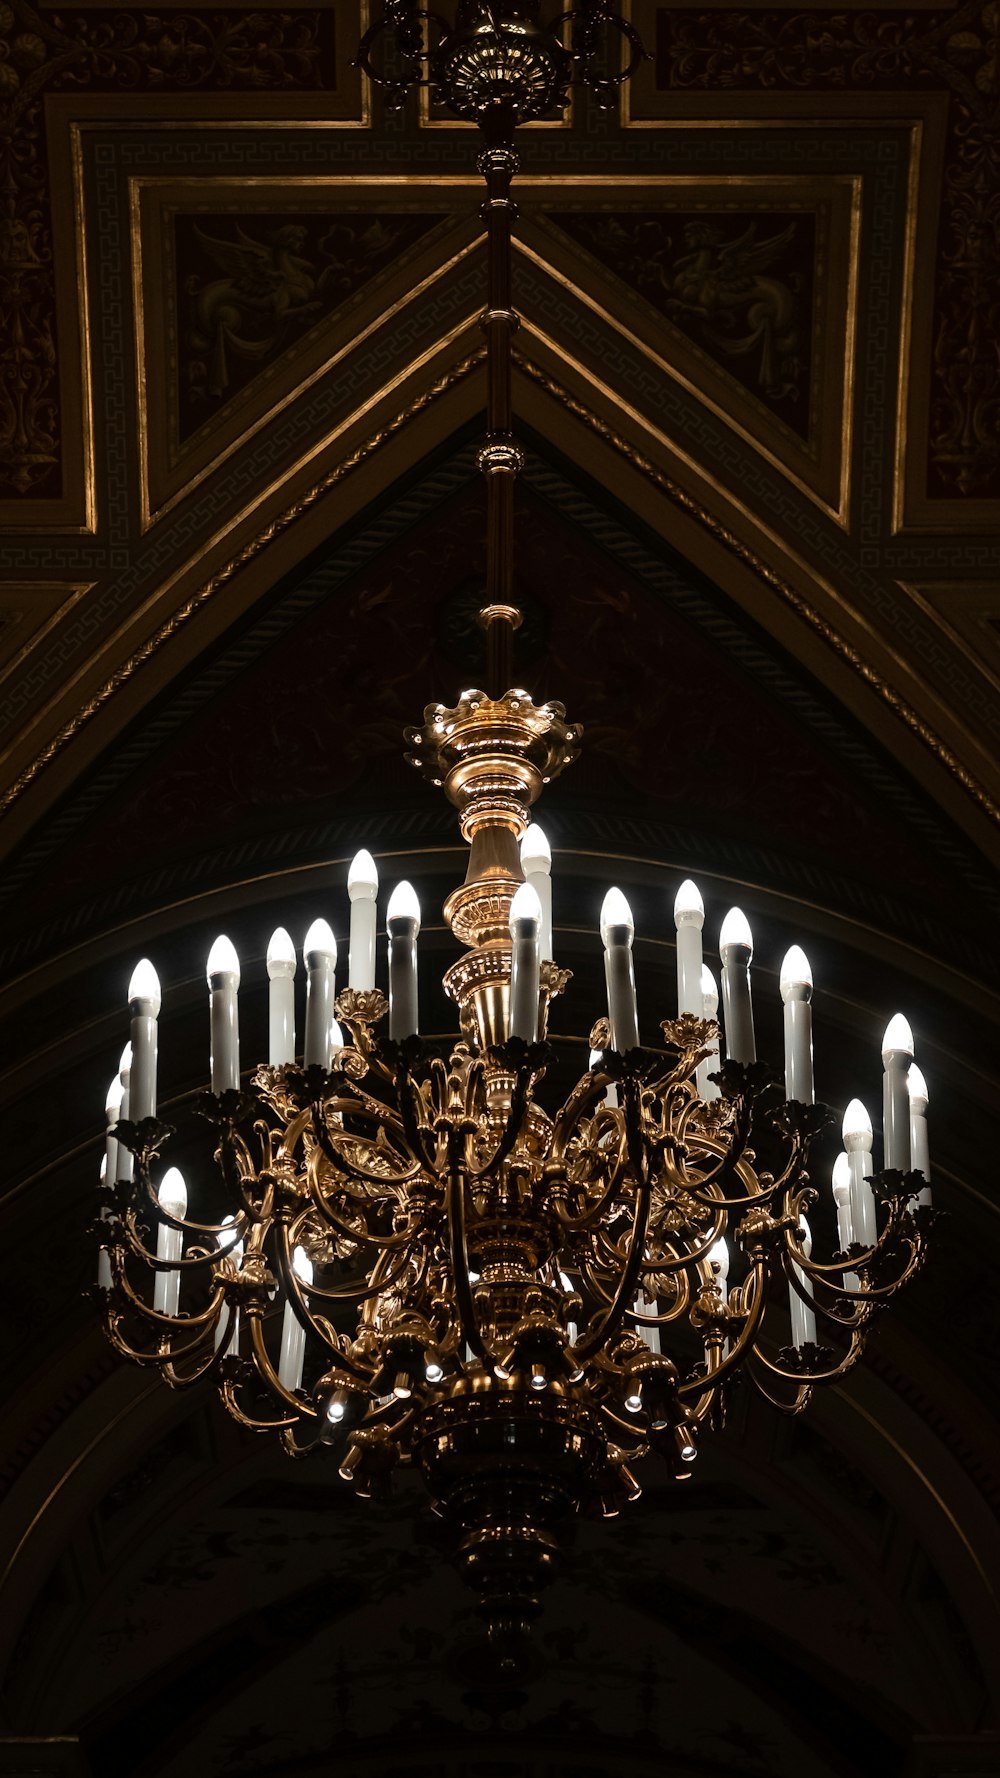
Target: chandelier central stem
{"points": [[500, 457]]}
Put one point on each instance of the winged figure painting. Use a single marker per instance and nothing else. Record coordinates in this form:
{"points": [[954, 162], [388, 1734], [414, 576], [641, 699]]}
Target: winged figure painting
{"points": [[724, 284], [265, 285]]}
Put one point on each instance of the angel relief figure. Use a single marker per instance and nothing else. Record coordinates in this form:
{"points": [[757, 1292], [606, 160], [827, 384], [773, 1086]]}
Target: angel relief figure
{"points": [[743, 312], [266, 287]]}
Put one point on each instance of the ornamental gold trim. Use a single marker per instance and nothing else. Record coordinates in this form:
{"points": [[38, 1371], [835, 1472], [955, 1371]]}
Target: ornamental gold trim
{"points": [[204, 593], [801, 606]]}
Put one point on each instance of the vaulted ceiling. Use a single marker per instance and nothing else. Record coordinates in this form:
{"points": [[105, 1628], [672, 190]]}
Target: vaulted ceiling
{"points": [[757, 538]]}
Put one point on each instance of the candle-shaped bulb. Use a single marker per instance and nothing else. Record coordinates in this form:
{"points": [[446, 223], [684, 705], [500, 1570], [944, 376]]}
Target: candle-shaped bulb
{"points": [[172, 1194], [113, 1101], [302, 1265], [228, 1236], [718, 1259], [916, 1086], [536, 853], [125, 1065], [336, 1035], [898, 1039], [280, 954], [525, 907], [735, 931], [403, 905], [796, 980], [616, 916], [362, 877], [320, 942], [144, 988], [689, 909], [709, 992], [222, 960], [842, 1180], [857, 1127]]}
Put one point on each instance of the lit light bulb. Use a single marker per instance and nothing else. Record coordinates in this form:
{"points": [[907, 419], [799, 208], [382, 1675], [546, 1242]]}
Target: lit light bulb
{"points": [[125, 1065], [539, 1380], [857, 1127], [615, 915], [302, 1265], [403, 905], [145, 987], [113, 1102], [709, 992], [718, 1259], [916, 1086], [280, 954], [337, 1407], [536, 853], [336, 1035], [172, 1194], [433, 1370], [320, 942], [222, 960], [633, 1400], [228, 1237], [525, 906], [689, 909], [735, 931], [842, 1180], [362, 877], [795, 974], [898, 1039]]}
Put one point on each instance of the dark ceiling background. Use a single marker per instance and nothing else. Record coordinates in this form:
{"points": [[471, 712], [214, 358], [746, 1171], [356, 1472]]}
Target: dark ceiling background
{"points": [[756, 544]]}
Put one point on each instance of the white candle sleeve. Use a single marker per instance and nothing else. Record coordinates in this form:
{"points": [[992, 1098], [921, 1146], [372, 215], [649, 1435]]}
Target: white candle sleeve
{"points": [[172, 1199], [223, 974], [858, 1144], [708, 1089], [803, 1318], [650, 1336], [842, 1201], [227, 1332], [280, 998], [736, 952], [897, 1054], [689, 918], [112, 1112], [617, 932], [536, 863], [796, 993], [920, 1154], [103, 1257], [124, 1158], [525, 961], [403, 925], [320, 950], [362, 889], [144, 1007], [293, 1335]]}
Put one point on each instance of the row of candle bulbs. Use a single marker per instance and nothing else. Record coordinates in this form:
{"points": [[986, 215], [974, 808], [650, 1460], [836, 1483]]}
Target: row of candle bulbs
{"points": [[133, 1092]]}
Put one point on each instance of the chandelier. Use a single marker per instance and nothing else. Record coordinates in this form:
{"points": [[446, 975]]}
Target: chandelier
{"points": [[405, 1253]]}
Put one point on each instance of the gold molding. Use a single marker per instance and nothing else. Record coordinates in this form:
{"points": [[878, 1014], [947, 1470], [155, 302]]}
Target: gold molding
{"points": [[72, 591], [839, 513], [801, 606], [246, 553], [150, 514]]}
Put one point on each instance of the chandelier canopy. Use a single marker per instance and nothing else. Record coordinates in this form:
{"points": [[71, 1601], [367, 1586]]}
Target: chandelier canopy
{"points": [[406, 1252]]}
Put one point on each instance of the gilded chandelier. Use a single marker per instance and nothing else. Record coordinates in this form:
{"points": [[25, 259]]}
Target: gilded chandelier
{"points": [[409, 1256]]}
